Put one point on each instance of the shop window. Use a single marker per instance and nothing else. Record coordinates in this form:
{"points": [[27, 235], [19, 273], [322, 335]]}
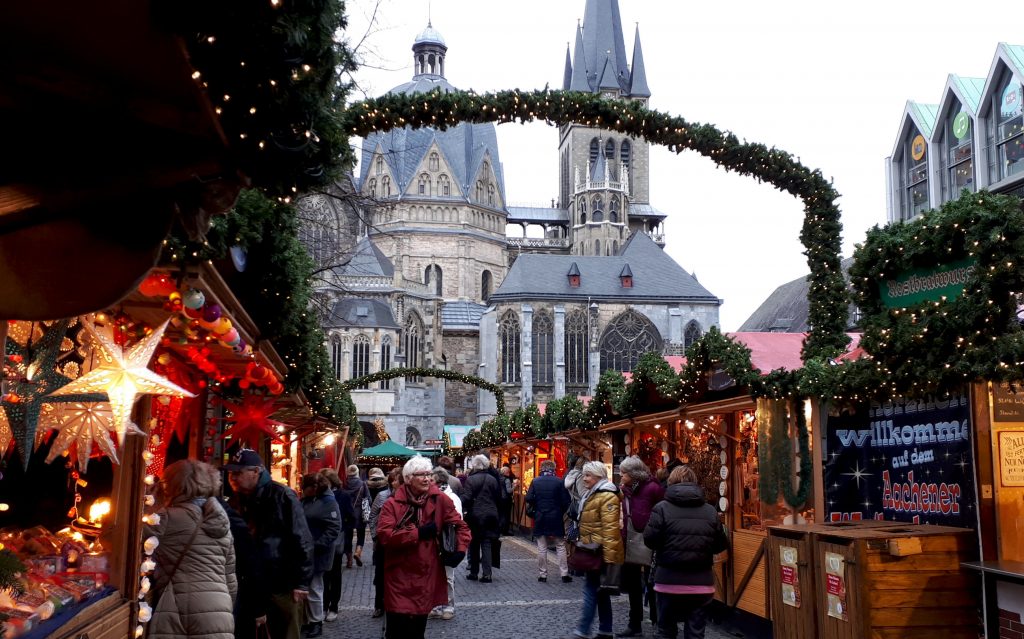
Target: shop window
{"points": [[361, 358], [385, 360], [543, 349], [626, 338], [577, 351], [509, 336], [914, 175], [691, 334], [1008, 121], [336, 354], [413, 346]]}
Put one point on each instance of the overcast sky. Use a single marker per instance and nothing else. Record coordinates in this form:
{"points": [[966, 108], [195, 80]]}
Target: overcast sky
{"points": [[827, 82]]}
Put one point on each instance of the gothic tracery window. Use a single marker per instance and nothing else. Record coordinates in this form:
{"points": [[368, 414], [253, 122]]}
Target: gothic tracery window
{"points": [[485, 286], [361, 358], [577, 357], [336, 352], [509, 343], [692, 334], [626, 338], [595, 148], [446, 185], [413, 345], [423, 187], [490, 195], [385, 186], [598, 214], [434, 162], [543, 348], [385, 360], [609, 150]]}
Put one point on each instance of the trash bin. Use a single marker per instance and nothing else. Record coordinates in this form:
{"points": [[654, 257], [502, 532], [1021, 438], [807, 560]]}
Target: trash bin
{"points": [[900, 582]]}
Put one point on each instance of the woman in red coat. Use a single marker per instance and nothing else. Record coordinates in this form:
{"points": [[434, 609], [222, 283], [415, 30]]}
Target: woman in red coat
{"points": [[408, 530]]}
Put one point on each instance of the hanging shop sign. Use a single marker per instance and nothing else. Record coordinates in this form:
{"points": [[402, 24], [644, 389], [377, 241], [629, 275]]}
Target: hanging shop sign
{"points": [[944, 282], [1007, 402], [902, 460]]}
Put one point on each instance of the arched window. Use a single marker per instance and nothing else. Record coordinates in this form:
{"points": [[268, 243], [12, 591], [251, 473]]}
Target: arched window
{"points": [[413, 345], [446, 185], [432, 274], [615, 247], [613, 209], [336, 352], [625, 152], [434, 162], [361, 358], [577, 355], [385, 186], [597, 247], [609, 150], [583, 211], [479, 191], [598, 214], [692, 333], [380, 165], [509, 348], [423, 187], [373, 188], [490, 195], [485, 286], [385, 360], [543, 348], [595, 148], [626, 338]]}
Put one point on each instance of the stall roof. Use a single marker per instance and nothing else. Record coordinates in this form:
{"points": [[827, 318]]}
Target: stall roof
{"points": [[389, 449]]}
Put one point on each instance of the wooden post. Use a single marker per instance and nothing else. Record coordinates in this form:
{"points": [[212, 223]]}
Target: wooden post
{"points": [[817, 436]]}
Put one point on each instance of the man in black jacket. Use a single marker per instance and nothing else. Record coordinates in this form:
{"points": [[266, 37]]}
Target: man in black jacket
{"points": [[283, 543]]}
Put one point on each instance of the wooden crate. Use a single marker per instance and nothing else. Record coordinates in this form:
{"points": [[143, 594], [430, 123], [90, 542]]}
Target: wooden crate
{"points": [[916, 596]]}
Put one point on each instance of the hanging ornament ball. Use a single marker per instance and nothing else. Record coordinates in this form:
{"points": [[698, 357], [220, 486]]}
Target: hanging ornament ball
{"points": [[193, 299], [157, 285], [193, 313], [212, 312], [221, 326], [239, 347]]}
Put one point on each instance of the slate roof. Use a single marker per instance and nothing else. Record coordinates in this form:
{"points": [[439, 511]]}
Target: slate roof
{"points": [[645, 210], [367, 261], [361, 312], [656, 276], [461, 315], [536, 214], [786, 309], [599, 57]]}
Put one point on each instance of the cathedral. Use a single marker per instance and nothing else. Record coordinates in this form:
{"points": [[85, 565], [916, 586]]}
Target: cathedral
{"points": [[441, 271]]}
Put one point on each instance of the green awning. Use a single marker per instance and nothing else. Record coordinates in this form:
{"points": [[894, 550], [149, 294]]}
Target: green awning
{"points": [[388, 449]]}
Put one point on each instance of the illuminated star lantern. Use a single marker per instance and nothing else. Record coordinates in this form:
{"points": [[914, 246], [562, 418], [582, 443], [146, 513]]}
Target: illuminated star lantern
{"points": [[81, 424], [123, 376], [251, 419], [36, 376]]}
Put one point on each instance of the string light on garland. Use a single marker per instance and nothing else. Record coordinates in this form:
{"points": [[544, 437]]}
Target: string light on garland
{"points": [[392, 373]]}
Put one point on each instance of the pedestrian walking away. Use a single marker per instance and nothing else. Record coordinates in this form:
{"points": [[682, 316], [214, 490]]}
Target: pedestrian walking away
{"points": [[194, 585], [360, 496], [324, 521], [447, 611], [548, 499], [640, 492], [480, 499], [599, 517], [409, 528], [685, 533], [332, 578]]}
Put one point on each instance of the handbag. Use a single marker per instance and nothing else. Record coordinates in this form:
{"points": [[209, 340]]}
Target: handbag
{"points": [[637, 551], [448, 546], [611, 578], [586, 557]]}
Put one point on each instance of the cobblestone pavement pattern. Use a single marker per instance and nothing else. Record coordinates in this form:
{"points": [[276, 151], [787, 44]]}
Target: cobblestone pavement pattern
{"points": [[514, 606]]}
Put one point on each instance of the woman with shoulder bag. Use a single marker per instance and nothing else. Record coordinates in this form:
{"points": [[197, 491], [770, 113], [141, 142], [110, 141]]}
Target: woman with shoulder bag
{"points": [[640, 494], [599, 531], [685, 533]]}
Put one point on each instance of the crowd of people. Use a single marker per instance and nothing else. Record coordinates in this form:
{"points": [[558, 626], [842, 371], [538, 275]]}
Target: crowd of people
{"points": [[267, 562]]}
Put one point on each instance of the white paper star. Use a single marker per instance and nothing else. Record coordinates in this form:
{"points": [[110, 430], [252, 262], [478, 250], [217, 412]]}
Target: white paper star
{"points": [[123, 376], [81, 423]]}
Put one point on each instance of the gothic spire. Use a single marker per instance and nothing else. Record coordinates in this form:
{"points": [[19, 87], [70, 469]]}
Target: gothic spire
{"points": [[567, 78], [580, 81], [638, 74]]}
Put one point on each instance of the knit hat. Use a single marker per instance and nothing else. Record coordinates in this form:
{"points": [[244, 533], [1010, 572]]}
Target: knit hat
{"points": [[376, 472], [353, 471]]}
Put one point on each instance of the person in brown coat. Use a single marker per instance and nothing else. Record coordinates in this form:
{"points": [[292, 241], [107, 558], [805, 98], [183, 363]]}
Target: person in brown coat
{"points": [[194, 584]]}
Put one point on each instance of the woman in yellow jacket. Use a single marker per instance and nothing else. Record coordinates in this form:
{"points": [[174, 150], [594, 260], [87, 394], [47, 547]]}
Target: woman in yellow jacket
{"points": [[599, 524]]}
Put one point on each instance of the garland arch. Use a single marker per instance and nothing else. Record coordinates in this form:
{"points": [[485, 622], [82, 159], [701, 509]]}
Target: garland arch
{"points": [[391, 373], [822, 229]]}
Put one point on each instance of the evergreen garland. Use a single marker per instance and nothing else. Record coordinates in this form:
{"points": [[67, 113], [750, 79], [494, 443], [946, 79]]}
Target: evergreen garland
{"points": [[607, 397], [775, 452], [654, 384], [392, 373], [805, 477], [822, 229]]}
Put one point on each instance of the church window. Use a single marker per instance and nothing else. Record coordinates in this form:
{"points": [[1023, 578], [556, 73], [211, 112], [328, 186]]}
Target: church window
{"points": [[613, 206], [336, 353], [626, 338], [385, 186], [385, 360], [434, 162], [361, 358], [595, 148], [543, 348], [380, 165], [446, 185], [609, 150], [433, 274], [583, 211], [413, 345], [485, 286], [490, 194], [509, 343], [625, 152], [597, 247], [479, 191], [373, 188], [577, 357], [598, 214], [692, 333], [615, 247]]}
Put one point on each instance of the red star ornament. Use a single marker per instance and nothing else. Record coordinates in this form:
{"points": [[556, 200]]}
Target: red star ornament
{"points": [[250, 420]]}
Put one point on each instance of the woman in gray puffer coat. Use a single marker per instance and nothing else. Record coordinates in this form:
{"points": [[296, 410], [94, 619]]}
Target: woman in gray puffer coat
{"points": [[194, 584]]}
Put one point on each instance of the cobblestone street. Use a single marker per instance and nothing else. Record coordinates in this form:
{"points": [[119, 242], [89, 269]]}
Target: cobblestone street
{"points": [[514, 606]]}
